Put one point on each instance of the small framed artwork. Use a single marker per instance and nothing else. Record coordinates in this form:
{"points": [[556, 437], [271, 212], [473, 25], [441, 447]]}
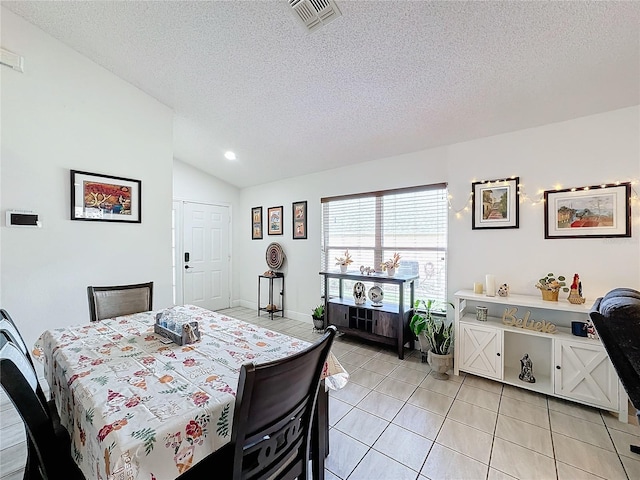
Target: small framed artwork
{"points": [[601, 211], [256, 223], [104, 198], [496, 204], [299, 214], [274, 220]]}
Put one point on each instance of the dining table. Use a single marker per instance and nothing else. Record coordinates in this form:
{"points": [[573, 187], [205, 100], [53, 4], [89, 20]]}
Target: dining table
{"points": [[138, 407]]}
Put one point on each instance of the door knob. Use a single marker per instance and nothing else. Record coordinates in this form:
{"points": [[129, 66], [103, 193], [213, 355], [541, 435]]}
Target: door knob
{"points": [[187, 267], [558, 367], [498, 354]]}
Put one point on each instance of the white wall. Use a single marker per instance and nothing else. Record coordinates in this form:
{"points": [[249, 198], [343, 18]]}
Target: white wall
{"points": [[65, 112], [302, 264], [581, 152], [587, 151]]}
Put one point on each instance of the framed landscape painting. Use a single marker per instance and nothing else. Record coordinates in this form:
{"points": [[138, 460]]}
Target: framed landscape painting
{"points": [[104, 198], [299, 216], [256, 223], [496, 204], [274, 220], [600, 211]]}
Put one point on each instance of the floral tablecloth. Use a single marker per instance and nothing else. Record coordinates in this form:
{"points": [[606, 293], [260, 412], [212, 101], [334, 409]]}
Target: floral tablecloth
{"points": [[137, 408]]}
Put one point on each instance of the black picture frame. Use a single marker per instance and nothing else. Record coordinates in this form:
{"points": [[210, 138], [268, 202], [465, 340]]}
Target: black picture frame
{"points": [[598, 211], [274, 220], [496, 204], [299, 220], [97, 197], [256, 223]]}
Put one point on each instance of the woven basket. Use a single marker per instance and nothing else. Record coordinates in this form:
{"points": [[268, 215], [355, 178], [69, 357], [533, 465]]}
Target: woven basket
{"points": [[550, 295]]}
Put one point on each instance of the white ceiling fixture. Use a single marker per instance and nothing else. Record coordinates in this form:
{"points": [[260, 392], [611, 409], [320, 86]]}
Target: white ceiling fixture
{"points": [[229, 155], [315, 13]]}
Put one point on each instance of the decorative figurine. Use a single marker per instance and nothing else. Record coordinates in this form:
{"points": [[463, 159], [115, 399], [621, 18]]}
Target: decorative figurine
{"points": [[503, 290], [366, 270], [575, 293], [526, 369], [591, 330], [359, 293]]}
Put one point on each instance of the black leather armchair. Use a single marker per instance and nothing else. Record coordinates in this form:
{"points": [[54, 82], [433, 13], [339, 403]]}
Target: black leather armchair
{"points": [[616, 318]]}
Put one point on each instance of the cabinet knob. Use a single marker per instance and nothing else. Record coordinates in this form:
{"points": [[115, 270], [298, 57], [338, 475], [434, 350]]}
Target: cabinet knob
{"points": [[498, 354], [558, 367]]}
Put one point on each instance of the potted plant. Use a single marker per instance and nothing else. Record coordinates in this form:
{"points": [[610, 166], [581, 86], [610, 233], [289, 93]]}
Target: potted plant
{"points": [[318, 317], [345, 261], [434, 335], [550, 286], [390, 265]]}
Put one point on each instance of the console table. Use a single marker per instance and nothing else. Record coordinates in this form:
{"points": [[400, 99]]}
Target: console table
{"points": [[269, 307], [387, 324]]}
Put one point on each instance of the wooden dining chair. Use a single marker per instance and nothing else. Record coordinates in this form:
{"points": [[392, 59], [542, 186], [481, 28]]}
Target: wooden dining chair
{"points": [[272, 421], [49, 451], [113, 301], [9, 331]]}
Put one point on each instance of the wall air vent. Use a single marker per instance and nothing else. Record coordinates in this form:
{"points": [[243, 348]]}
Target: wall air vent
{"points": [[314, 13], [11, 60]]}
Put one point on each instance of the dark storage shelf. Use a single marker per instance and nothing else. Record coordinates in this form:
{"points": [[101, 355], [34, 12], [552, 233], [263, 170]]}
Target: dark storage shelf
{"points": [[387, 324]]}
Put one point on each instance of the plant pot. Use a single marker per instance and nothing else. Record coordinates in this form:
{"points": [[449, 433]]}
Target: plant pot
{"points": [[440, 364], [343, 268], [318, 323], [391, 271], [550, 295]]}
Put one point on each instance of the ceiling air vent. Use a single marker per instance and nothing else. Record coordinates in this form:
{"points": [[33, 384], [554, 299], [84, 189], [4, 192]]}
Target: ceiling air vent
{"points": [[315, 13]]}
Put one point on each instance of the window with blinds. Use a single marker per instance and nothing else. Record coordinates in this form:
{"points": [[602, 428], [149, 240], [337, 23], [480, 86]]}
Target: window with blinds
{"points": [[373, 226]]}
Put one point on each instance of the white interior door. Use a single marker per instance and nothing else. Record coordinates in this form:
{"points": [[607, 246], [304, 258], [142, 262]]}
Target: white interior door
{"points": [[206, 257]]}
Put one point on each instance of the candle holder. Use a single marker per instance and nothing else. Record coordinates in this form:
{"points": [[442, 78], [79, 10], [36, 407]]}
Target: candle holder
{"points": [[481, 313]]}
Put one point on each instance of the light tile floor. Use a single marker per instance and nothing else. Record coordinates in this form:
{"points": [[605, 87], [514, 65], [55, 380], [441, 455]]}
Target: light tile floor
{"points": [[394, 421]]}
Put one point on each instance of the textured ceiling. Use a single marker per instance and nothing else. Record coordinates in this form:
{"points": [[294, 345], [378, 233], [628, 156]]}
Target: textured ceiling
{"points": [[386, 78]]}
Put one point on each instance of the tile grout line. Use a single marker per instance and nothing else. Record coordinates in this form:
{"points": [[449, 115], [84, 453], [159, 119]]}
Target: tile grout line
{"points": [[615, 447]]}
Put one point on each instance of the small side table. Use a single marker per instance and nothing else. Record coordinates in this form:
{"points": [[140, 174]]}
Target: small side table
{"points": [[272, 310]]}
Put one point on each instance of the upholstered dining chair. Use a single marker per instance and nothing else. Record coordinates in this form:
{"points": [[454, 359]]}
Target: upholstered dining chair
{"points": [[113, 301], [272, 423], [49, 451]]}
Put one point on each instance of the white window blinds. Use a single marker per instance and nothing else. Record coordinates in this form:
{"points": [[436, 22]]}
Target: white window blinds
{"points": [[373, 226]]}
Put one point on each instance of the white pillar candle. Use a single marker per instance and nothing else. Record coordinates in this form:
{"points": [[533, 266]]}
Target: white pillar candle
{"points": [[490, 280]]}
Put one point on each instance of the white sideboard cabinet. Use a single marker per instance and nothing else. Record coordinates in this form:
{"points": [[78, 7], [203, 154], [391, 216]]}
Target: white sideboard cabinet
{"points": [[564, 365]]}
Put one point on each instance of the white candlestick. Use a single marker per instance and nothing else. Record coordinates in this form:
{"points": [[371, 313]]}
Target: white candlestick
{"points": [[490, 280]]}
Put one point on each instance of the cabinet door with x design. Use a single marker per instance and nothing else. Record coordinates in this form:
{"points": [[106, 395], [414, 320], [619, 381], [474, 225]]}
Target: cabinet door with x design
{"points": [[481, 350], [584, 372]]}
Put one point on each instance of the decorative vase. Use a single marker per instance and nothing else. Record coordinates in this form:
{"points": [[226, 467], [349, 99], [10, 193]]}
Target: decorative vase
{"points": [[550, 295], [440, 364], [375, 295], [343, 268], [391, 271], [359, 293]]}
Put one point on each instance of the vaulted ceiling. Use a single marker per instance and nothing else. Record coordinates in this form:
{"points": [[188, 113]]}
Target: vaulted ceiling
{"points": [[383, 79]]}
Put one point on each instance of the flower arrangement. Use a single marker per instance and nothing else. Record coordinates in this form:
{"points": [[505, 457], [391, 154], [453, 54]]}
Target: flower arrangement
{"points": [[391, 263], [549, 282], [346, 260]]}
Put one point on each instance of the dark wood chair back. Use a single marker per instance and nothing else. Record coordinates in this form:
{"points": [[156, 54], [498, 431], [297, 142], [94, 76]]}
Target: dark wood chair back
{"points": [[274, 411], [49, 455], [113, 301]]}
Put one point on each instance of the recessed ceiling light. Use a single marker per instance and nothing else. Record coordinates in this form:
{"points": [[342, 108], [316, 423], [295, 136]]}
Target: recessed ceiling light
{"points": [[229, 155]]}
